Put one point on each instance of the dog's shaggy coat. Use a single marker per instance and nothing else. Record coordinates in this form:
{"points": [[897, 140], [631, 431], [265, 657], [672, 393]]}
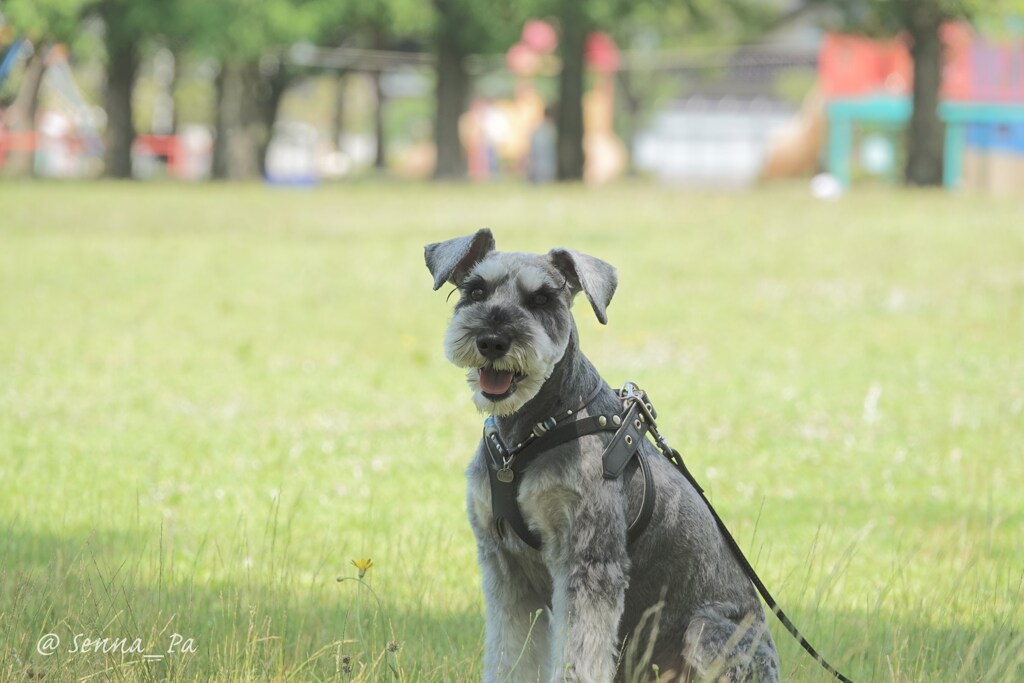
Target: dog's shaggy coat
{"points": [[587, 606]]}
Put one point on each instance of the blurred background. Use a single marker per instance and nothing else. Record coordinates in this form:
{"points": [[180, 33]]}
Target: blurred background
{"points": [[692, 92], [219, 399]]}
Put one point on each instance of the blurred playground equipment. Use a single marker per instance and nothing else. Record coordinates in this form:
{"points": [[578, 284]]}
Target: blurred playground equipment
{"points": [[705, 118], [725, 117], [13, 54], [720, 142], [794, 148], [867, 86], [185, 155], [498, 134], [733, 122], [66, 141]]}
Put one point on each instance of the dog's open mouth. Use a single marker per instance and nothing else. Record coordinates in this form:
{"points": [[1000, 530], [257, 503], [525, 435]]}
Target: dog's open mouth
{"points": [[497, 384]]}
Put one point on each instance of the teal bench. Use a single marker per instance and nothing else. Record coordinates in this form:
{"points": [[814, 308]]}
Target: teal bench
{"points": [[844, 113]]}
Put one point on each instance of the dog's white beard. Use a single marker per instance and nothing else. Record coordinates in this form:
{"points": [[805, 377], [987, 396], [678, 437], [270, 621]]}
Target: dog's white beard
{"points": [[534, 365]]}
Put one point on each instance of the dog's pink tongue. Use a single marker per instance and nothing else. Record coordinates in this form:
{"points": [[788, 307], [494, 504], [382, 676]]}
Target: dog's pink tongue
{"points": [[495, 381]]}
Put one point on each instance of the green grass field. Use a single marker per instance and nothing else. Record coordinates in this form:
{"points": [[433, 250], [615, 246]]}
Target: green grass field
{"points": [[214, 398]]}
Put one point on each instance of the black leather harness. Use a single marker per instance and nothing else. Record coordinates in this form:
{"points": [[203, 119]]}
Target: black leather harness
{"points": [[506, 467], [637, 420]]}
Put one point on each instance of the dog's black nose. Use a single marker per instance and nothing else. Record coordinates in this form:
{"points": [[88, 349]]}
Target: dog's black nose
{"points": [[492, 346]]}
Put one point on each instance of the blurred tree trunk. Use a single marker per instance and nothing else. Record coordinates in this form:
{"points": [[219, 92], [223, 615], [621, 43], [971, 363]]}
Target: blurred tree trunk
{"points": [[21, 116], [178, 55], [380, 162], [449, 95], [247, 100], [225, 113], [266, 90], [925, 134], [569, 118], [338, 117], [122, 66]]}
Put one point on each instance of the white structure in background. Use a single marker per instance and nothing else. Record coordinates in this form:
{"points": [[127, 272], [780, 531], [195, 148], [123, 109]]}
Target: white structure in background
{"points": [[291, 156], [710, 142], [56, 156], [196, 149], [732, 101], [358, 151], [298, 155]]}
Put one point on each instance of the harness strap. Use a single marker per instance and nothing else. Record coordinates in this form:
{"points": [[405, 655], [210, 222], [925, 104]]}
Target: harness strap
{"points": [[646, 511], [623, 447], [505, 507], [565, 433], [625, 443]]}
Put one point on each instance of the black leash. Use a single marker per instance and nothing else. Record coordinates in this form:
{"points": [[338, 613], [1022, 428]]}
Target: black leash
{"points": [[632, 393]]}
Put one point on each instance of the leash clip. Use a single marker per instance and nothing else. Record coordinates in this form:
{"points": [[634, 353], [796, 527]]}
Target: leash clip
{"points": [[630, 393]]}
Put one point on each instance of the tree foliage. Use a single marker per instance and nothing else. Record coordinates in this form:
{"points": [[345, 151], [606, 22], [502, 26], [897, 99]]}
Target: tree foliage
{"points": [[44, 20]]}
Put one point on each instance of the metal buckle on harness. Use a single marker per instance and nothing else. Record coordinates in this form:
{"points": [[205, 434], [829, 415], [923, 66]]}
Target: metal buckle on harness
{"points": [[493, 441], [491, 434], [629, 394]]}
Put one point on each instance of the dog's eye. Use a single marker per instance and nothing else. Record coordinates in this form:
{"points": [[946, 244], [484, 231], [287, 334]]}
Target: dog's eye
{"points": [[477, 294], [539, 299]]}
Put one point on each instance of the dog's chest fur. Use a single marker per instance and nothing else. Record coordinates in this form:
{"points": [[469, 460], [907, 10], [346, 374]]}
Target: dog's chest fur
{"points": [[549, 492]]}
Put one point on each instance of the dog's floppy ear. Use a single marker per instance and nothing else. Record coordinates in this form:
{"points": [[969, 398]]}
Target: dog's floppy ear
{"points": [[596, 278], [449, 261]]}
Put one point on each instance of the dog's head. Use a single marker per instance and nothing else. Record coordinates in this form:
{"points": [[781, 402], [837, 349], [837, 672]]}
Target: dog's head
{"points": [[512, 321]]}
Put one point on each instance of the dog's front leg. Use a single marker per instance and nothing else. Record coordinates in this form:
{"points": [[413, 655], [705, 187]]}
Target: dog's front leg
{"points": [[516, 629], [590, 575]]}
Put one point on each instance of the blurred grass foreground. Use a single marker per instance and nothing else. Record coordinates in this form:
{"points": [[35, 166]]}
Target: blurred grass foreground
{"points": [[219, 401]]}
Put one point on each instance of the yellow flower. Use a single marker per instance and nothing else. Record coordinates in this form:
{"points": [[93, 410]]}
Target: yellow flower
{"points": [[363, 566]]}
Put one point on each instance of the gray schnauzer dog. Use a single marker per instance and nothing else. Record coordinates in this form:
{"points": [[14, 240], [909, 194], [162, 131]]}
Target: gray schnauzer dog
{"points": [[587, 602]]}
